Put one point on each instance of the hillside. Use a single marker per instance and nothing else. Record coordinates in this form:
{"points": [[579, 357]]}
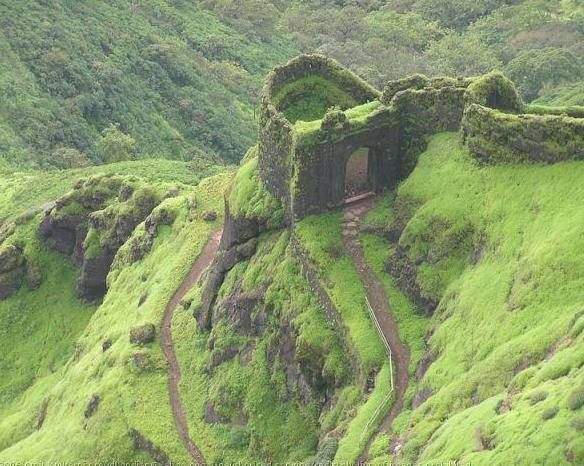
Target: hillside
{"points": [[170, 75], [98, 81], [213, 253]]}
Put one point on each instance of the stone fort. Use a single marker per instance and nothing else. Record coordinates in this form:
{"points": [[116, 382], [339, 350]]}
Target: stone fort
{"points": [[326, 135]]}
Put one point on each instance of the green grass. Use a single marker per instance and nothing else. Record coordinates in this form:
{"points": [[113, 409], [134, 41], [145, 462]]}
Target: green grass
{"points": [[356, 115], [500, 313], [309, 98], [39, 328], [249, 198], [131, 397], [30, 190], [564, 96], [321, 237], [366, 422], [278, 428]]}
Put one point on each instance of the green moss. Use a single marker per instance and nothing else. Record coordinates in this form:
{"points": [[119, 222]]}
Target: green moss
{"points": [[366, 422], [249, 198], [571, 111], [321, 237], [279, 426], [502, 312], [309, 97], [92, 244], [576, 398], [494, 90], [68, 371]]}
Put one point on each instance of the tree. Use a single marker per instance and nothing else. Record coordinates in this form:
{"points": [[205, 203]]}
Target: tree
{"points": [[68, 157], [115, 146], [533, 69]]}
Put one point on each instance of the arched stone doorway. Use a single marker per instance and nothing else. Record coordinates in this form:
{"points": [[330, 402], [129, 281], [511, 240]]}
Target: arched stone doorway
{"points": [[358, 173]]}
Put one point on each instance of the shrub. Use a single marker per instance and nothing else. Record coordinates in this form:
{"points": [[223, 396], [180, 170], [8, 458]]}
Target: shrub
{"points": [[536, 397], [578, 423], [550, 413], [67, 157], [334, 120], [143, 334], [576, 398], [115, 146]]}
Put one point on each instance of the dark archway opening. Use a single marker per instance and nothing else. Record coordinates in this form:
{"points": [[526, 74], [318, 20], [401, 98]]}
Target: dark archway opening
{"points": [[357, 173]]}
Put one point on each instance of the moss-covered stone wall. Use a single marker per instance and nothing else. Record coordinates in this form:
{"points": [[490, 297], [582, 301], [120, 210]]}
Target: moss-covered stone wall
{"points": [[320, 160], [310, 65], [497, 137], [302, 160], [422, 113]]}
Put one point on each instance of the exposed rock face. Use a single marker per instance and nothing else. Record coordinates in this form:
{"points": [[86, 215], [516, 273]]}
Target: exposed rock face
{"points": [[428, 358], [405, 272], [304, 377], [144, 444], [141, 361], [12, 270], [211, 416], [238, 243], [141, 244], [92, 406], [210, 216], [241, 311], [65, 234], [421, 396], [92, 222]]}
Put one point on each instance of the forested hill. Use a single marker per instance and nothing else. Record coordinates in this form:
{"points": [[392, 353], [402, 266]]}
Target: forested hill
{"points": [[84, 82], [92, 81]]}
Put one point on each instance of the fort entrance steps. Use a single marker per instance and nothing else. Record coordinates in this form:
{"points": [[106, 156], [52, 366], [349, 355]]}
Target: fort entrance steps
{"points": [[353, 213]]}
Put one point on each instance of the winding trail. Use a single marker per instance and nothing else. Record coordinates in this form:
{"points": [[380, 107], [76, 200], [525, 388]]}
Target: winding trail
{"points": [[378, 299], [174, 374]]}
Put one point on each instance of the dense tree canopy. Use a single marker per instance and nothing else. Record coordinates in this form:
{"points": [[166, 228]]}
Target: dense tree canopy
{"points": [[181, 77]]}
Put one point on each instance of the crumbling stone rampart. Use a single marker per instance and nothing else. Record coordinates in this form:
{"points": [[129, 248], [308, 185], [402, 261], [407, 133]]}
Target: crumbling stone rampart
{"points": [[303, 163]]}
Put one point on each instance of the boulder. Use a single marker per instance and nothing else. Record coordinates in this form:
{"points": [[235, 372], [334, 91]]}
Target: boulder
{"points": [[210, 216], [12, 270], [141, 361], [143, 334], [92, 406]]}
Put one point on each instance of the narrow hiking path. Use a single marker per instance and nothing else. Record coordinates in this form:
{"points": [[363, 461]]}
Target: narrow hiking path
{"points": [[174, 374], [353, 213]]}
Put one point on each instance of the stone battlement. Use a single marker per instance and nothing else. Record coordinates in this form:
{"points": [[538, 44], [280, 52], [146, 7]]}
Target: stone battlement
{"points": [[315, 114]]}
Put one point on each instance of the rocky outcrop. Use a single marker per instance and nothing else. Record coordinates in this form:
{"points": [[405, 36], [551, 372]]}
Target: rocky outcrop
{"points": [[143, 334], [297, 382], [242, 312], [142, 443], [93, 221], [421, 396], [406, 273], [238, 243], [12, 270], [142, 241], [92, 406]]}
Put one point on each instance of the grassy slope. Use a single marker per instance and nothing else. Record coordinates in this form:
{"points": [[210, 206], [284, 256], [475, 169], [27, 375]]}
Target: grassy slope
{"points": [[25, 192], [130, 397], [321, 237], [278, 428], [567, 95], [508, 326]]}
